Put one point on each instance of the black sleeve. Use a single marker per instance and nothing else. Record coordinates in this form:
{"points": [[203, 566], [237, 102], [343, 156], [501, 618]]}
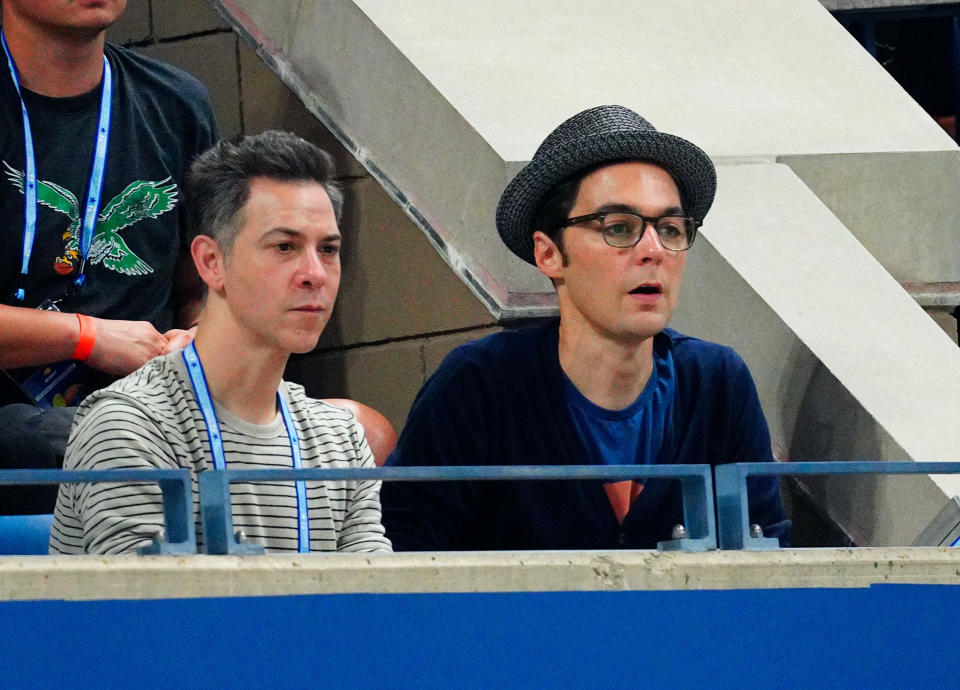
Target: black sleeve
{"points": [[448, 425]]}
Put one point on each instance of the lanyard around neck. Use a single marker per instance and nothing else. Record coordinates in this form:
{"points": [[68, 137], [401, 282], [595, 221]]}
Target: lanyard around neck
{"points": [[202, 392], [94, 185]]}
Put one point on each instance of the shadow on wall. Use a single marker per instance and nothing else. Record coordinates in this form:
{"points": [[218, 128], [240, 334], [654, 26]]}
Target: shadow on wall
{"points": [[830, 425], [871, 510]]}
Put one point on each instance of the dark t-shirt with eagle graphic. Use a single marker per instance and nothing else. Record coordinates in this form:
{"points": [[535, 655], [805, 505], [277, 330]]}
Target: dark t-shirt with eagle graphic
{"points": [[161, 120]]}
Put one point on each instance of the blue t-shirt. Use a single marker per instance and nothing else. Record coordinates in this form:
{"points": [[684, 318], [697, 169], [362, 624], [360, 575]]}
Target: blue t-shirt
{"points": [[633, 435]]}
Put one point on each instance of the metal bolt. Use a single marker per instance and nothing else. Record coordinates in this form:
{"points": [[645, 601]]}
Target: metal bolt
{"points": [[159, 536], [756, 531], [679, 532], [240, 536]]}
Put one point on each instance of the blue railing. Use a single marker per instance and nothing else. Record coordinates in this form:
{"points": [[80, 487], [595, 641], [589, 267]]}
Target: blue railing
{"points": [[731, 487], [696, 483], [179, 535], [731, 531]]}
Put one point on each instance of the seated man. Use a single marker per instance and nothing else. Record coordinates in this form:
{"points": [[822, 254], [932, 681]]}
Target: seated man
{"points": [[263, 214], [606, 209], [94, 143]]}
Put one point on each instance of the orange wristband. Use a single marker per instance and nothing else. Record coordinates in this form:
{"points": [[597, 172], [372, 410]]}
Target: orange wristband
{"points": [[88, 336]]}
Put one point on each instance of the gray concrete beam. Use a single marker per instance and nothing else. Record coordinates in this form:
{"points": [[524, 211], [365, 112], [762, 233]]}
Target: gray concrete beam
{"points": [[24, 578], [902, 206]]}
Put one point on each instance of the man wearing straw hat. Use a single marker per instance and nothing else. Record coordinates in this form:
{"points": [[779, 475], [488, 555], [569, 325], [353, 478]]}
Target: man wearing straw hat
{"points": [[607, 209]]}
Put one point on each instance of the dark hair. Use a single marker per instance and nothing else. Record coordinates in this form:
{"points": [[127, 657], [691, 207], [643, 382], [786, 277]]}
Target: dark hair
{"points": [[218, 185], [555, 209], [558, 202]]}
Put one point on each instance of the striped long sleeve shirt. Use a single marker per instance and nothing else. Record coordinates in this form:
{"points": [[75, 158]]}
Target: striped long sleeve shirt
{"points": [[151, 419]]}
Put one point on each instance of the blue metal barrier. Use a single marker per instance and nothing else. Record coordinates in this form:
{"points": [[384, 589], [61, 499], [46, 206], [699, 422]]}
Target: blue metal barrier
{"points": [[731, 486], [696, 483], [180, 534]]}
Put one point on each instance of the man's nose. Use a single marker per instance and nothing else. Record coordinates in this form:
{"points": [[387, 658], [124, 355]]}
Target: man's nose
{"points": [[649, 247], [312, 272]]}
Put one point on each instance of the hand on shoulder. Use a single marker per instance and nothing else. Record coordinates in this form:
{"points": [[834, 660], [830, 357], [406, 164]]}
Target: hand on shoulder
{"points": [[122, 347], [178, 338]]}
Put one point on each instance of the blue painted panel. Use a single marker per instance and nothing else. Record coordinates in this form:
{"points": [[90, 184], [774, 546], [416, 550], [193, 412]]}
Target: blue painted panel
{"points": [[884, 636]]}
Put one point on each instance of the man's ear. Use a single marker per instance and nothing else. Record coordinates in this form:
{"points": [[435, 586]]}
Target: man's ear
{"points": [[548, 256], [209, 261]]}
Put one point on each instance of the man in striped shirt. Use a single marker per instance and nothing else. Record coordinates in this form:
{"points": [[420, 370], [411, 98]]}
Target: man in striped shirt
{"points": [[264, 214]]}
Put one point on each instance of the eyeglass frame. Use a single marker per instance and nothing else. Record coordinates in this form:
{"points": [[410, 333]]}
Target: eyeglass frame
{"points": [[646, 220]]}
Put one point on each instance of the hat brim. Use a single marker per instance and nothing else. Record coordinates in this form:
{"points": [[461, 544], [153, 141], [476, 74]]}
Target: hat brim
{"points": [[687, 163]]}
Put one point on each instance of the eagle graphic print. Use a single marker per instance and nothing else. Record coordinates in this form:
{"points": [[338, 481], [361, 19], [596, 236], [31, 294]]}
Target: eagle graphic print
{"points": [[139, 200]]}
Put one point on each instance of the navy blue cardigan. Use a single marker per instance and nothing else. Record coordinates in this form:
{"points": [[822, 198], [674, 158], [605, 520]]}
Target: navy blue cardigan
{"points": [[500, 401]]}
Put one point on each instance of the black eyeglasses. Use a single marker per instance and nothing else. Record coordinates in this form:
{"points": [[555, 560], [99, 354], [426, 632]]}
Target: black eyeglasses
{"points": [[624, 229]]}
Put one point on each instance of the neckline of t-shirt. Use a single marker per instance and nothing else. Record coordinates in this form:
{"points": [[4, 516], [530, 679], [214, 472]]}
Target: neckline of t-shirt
{"points": [[231, 421], [226, 418], [591, 408], [61, 104]]}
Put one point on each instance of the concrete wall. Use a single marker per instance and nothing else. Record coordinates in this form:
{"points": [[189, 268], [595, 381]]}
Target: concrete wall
{"points": [[400, 308], [59, 578]]}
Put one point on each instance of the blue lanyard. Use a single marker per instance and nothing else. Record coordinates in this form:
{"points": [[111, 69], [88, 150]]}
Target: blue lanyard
{"points": [[199, 381], [94, 186]]}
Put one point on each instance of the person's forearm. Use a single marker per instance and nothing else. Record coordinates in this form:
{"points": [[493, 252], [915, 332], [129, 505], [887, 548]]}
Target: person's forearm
{"points": [[31, 337]]}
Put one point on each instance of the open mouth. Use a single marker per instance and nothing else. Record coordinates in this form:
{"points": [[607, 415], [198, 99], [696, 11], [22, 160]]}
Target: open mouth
{"points": [[647, 289]]}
